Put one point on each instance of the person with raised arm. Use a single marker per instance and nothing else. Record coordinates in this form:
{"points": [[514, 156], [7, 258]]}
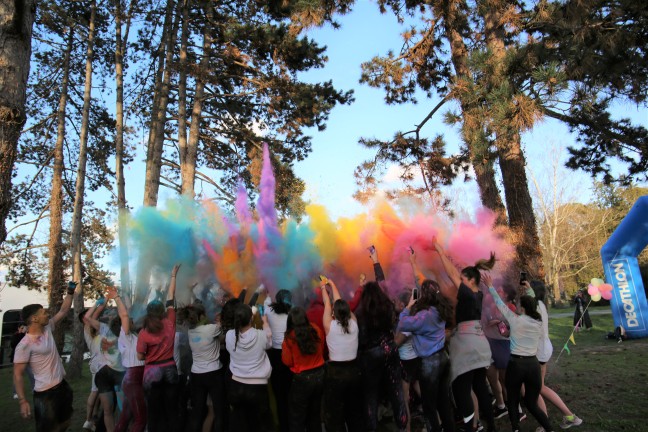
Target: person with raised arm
{"points": [[277, 315], [93, 342], [378, 353], [111, 371], [426, 319], [52, 394], [470, 353], [343, 380], [545, 350], [206, 377], [251, 370], [134, 407], [523, 367], [155, 345]]}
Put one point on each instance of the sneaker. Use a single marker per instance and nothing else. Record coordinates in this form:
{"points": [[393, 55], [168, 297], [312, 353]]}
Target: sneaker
{"points": [[522, 416], [499, 412], [88, 426], [15, 396], [567, 422], [479, 427]]}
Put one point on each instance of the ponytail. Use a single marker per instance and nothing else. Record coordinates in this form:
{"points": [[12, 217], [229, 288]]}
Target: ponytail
{"points": [[242, 318], [473, 272], [530, 306], [342, 313]]}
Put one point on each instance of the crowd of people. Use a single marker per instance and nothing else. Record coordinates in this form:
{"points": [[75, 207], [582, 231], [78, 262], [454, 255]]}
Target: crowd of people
{"points": [[333, 362]]}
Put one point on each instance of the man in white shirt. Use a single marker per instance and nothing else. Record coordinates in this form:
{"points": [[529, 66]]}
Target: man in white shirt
{"points": [[52, 394]]}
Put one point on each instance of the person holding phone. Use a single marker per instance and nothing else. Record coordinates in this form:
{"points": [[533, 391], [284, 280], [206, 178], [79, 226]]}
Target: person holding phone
{"points": [[470, 353], [426, 319]]}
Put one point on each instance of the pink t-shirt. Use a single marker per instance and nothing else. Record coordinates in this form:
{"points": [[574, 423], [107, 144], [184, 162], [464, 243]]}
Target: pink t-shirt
{"points": [[159, 346], [43, 358]]}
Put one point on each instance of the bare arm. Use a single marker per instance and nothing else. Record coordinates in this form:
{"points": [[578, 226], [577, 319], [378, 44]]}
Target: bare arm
{"points": [[327, 318], [448, 266], [72, 289], [19, 371], [419, 277], [172, 283], [91, 317], [122, 310]]}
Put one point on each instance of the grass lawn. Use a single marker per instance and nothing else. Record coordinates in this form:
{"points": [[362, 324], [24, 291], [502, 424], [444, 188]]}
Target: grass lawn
{"points": [[604, 383]]}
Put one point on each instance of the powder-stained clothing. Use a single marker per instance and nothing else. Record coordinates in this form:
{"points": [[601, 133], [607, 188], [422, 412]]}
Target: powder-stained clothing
{"points": [[41, 354], [159, 346], [205, 348], [525, 331], [427, 328]]}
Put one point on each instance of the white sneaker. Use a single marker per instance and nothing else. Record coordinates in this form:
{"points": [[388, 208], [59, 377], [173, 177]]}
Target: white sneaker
{"points": [[88, 425], [567, 423], [15, 396]]}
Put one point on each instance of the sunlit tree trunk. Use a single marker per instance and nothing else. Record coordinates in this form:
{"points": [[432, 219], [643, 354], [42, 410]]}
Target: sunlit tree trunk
{"points": [[16, 21], [182, 85], [188, 168], [156, 134], [75, 242], [55, 246]]}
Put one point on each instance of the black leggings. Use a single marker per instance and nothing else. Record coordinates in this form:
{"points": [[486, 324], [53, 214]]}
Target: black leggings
{"points": [[524, 370], [461, 390]]}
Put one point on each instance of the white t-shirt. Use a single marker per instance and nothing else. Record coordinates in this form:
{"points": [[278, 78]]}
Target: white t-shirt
{"points": [[127, 344], [94, 346], [277, 323], [545, 348], [41, 354], [205, 348], [109, 349], [406, 351], [342, 346]]}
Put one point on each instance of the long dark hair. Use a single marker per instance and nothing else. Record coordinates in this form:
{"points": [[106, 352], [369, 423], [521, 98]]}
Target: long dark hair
{"points": [[540, 290], [242, 318], [472, 272], [530, 306], [192, 314], [342, 313], [430, 296], [155, 313], [283, 302], [299, 329], [377, 309], [227, 314]]}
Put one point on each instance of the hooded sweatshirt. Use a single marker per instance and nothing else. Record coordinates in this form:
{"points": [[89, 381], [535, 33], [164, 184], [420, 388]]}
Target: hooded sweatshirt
{"points": [[248, 361]]}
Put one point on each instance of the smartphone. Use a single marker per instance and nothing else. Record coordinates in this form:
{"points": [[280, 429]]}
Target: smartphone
{"points": [[523, 277], [323, 278], [415, 294], [411, 250], [371, 249]]}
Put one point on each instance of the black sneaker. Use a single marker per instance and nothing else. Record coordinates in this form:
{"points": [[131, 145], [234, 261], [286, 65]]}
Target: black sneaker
{"points": [[499, 412]]}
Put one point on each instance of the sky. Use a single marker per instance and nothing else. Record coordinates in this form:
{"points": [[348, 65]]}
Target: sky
{"points": [[328, 170]]}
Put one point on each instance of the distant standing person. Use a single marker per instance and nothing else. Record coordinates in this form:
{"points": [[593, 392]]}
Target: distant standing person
{"points": [[52, 394], [581, 315]]}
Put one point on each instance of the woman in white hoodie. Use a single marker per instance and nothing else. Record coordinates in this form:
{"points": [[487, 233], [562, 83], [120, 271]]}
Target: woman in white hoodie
{"points": [[251, 370]]}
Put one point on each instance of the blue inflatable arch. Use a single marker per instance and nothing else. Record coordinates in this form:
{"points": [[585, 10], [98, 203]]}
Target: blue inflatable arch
{"points": [[619, 255]]}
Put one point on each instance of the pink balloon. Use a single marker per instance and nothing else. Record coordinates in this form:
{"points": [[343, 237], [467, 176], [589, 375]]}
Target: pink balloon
{"points": [[592, 290], [607, 295], [596, 297], [605, 287]]}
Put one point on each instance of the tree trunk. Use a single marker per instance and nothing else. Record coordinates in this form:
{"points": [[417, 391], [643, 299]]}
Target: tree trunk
{"points": [[76, 359], [516, 186], [188, 168], [182, 86], [520, 207], [119, 147], [156, 134], [16, 23], [482, 164], [55, 246]]}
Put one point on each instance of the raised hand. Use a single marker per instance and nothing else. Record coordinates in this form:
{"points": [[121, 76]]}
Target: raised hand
{"points": [[111, 293]]}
